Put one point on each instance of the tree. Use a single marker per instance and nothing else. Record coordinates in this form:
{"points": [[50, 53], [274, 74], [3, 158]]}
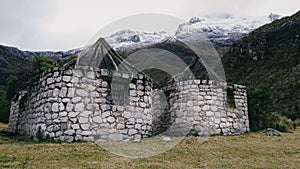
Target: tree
{"points": [[262, 110], [12, 80], [42, 64], [4, 108], [14, 85]]}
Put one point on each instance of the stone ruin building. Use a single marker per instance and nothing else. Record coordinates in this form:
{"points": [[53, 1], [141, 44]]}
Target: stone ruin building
{"points": [[76, 103]]}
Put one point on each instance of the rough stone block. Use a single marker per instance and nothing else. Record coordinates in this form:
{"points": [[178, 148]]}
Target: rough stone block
{"points": [[106, 114], [67, 78], [210, 113], [104, 84], [83, 120], [132, 86], [85, 113], [205, 107], [77, 73], [55, 107], [76, 99], [142, 104], [75, 80], [73, 114], [92, 107], [126, 114], [69, 107], [71, 92], [69, 132], [100, 100], [97, 119], [57, 134], [91, 75], [132, 132], [68, 139], [61, 107], [63, 114], [132, 93], [213, 108], [79, 107], [189, 103], [85, 126], [82, 93], [86, 133], [78, 138], [111, 119], [75, 126], [105, 107], [137, 138], [120, 126], [54, 115], [115, 137]]}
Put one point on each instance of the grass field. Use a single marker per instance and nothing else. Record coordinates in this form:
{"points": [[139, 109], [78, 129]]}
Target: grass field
{"points": [[251, 150]]}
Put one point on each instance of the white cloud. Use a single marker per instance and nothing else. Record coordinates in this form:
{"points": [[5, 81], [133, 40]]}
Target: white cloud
{"points": [[65, 24]]}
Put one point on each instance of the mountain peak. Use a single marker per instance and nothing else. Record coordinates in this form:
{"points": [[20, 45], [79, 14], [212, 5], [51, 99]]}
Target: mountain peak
{"points": [[221, 29], [196, 19], [274, 17]]}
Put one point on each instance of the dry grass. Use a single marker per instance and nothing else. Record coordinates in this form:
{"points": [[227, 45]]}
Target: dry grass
{"points": [[252, 150]]}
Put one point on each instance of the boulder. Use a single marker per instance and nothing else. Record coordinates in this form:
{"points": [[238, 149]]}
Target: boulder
{"points": [[271, 132]]}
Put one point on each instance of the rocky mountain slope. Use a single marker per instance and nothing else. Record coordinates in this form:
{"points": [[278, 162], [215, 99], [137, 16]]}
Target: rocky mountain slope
{"points": [[20, 63], [13, 62], [221, 31], [268, 61]]}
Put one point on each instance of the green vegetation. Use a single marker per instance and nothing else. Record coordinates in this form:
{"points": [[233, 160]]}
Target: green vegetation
{"points": [[4, 107], [16, 81], [12, 80], [14, 85], [260, 101], [252, 150], [42, 64], [267, 61], [72, 57], [14, 69]]}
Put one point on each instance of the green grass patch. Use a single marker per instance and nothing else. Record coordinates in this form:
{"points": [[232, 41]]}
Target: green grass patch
{"points": [[251, 150]]}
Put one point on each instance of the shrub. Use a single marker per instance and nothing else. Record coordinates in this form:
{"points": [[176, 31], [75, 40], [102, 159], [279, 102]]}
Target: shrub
{"points": [[14, 85], [260, 104], [43, 63], [40, 135], [283, 123], [4, 108], [296, 123], [12, 80], [261, 116]]}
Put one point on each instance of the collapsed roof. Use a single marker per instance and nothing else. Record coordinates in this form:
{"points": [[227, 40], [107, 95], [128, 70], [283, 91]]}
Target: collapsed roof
{"points": [[103, 56]]}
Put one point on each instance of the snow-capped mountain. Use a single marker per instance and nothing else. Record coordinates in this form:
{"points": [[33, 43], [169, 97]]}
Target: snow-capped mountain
{"points": [[125, 40], [221, 31]]}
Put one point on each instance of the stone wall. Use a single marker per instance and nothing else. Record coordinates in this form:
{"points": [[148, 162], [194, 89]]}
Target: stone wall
{"points": [[89, 104], [201, 107], [76, 105]]}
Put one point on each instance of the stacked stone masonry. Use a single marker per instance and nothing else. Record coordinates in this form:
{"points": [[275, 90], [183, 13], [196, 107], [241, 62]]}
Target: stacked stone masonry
{"points": [[68, 105]]}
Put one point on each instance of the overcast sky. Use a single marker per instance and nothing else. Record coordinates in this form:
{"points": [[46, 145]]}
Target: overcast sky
{"points": [[67, 24]]}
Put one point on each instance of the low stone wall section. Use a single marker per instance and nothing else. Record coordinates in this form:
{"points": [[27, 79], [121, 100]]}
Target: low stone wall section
{"points": [[89, 104], [76, 105], [202, 107]]}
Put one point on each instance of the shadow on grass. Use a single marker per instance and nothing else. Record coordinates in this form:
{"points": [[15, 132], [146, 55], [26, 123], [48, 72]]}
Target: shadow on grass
{"points": [[10, 137], [7, 137]]}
